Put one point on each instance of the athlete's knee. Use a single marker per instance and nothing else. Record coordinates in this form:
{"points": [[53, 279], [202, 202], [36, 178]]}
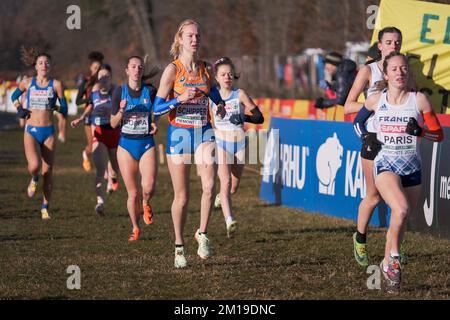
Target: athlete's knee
{"points": [[133, 194], [400, 210], [372, 199], [208, 188], [181, 200], [148, 189]]}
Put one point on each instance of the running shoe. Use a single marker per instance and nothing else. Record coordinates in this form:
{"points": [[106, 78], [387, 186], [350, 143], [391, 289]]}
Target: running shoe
{"points": [[231, 228], [403, 256], [180, 259], [100, 209], [217, 201], [109, 188], [86, 163], [204, 250], [32, 186], [115, 185], [135, 235], [45, 215], [360, 251], [392, 276], [148, 214]]}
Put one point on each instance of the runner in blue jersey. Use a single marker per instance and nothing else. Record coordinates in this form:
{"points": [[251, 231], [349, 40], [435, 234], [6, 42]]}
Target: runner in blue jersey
{"points": [[39, 135], [133, 111]]}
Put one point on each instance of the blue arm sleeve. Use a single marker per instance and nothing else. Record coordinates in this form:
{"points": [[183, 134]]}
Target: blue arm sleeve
{"points": [[359, 124], [16, 94], [161, 106], [63, 109], [215, 97]]}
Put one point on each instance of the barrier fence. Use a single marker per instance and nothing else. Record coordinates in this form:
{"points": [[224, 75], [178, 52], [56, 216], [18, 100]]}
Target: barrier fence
{"points": [[316, 166]]}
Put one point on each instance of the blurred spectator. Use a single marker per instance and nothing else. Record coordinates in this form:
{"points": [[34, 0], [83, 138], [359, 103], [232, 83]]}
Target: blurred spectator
{"points": [[343, 73], [289, 73], [280, 73]]}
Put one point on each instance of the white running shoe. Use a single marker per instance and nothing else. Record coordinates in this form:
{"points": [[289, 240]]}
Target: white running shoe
{"points": [[204, 250], [31, 190], [100, 209], [231, 228], [109, 188], [180, 259], [217, 201], [45, 215]]}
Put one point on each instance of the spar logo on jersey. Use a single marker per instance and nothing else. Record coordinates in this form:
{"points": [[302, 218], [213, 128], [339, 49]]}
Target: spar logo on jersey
{"points": [[328, 163], [145, 101], [392, 128]]}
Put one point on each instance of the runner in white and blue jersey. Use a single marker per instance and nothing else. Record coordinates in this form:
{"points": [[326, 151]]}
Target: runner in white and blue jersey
{"points": [[399, 117], [230, 136]]}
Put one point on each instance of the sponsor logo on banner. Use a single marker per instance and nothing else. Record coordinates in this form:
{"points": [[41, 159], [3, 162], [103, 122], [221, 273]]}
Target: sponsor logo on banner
{"points": [[292, 175], [428, 208], [285, 160], [328, 162], [271, 157], [444, 192], [354, 175]]}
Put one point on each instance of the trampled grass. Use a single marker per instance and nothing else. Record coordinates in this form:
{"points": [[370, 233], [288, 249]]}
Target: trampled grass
{"points": [[278, 253]]}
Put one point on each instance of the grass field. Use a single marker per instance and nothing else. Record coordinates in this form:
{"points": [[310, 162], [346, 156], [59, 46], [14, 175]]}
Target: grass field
{"points": [[278, 253]]}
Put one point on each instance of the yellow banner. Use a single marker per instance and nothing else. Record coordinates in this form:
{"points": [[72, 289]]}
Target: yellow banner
{"points": [[426, 41]]}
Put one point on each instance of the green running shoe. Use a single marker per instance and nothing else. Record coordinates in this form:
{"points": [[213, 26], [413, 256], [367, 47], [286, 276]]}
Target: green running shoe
{"points": [[360, 250]]}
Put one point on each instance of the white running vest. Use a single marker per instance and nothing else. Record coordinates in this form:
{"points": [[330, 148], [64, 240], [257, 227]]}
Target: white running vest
{"points": [[376, 75], [400, 151], [232, 106]]}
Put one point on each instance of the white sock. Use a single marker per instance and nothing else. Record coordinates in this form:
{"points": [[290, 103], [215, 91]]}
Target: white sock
{"points": [[229, 219], [100, 200], [85, 157], [394, 254]]}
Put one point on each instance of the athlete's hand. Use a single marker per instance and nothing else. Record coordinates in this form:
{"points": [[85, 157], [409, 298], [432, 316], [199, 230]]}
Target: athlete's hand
{"points": [[154, 129], [123, 105], [23, 113], [372, 143], [75, 122], [237, 119], [221, 111], [413, 127], [319, 103], [187, 95]]}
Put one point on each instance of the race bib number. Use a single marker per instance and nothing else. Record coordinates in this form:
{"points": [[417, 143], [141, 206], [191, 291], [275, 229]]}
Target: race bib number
{"points": [[232, 107], [40, 99], [135, 123], [194, 113], [101, 115], [395, 142]]}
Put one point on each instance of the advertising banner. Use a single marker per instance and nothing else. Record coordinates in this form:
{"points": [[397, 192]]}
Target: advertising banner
{"points": [[425, 27], [316, 166]]}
